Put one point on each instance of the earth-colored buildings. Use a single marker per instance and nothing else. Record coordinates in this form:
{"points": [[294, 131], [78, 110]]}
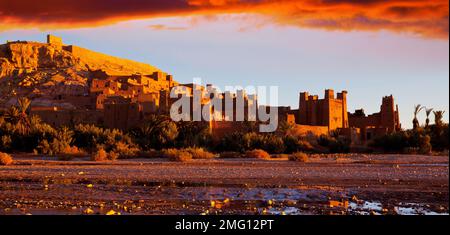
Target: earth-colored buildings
{"points": [[385, 121], [95, 88]]}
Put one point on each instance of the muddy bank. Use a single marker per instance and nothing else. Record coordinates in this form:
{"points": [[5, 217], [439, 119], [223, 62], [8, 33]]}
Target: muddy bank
{"points": [[386, 184]]}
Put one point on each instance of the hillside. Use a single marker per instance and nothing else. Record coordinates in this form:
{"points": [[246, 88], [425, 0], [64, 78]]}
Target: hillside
{"points": [[42, 71]]}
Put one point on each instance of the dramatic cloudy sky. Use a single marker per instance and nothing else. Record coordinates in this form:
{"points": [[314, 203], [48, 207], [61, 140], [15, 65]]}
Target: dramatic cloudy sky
{"points": [[371, 48]]}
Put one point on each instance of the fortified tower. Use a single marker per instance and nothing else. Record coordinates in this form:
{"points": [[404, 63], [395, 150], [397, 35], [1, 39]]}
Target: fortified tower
{"points": [[389, 115], [330, 111]]}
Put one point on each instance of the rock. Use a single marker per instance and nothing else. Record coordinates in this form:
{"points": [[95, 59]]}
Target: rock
{"points": [[88, 211], [26, 66], [112, 212]]}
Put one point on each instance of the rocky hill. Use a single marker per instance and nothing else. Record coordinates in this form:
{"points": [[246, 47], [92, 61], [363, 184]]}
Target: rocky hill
{"points": [[42, 71]]}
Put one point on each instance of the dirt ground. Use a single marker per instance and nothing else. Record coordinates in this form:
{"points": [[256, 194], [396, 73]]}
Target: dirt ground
{"points": [[353, 184]]}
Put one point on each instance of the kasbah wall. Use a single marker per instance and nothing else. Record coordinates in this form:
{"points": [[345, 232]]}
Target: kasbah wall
{"points": [[122, 101]]}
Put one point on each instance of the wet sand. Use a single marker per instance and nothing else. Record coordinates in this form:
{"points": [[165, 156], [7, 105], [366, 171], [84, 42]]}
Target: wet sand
{"points": [[354, 184]]}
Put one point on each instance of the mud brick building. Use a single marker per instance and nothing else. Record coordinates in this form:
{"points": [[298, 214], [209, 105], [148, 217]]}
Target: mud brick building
{"points": [[329, 111], [70, 84], [383, 122]]}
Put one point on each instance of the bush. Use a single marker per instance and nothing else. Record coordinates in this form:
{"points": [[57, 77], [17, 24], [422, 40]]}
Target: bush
{"points": [[335, 144], [267, 142], [155, 132], [61, 144], [200, 153], [100, 156], [425, 144], [273, 144], [232, 142], [5, 159], [5, 142], [230, 155], [299, 157], [92, 138], [176, 155], [440, 137], [294, 144], [112, 156], [24, 136], [88, 136], [257, 153], [124, 150], [239, 142], [411, 142], [191, 134]]}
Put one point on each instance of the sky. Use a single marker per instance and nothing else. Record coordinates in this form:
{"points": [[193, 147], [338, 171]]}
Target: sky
{"points": [[371, 48]]}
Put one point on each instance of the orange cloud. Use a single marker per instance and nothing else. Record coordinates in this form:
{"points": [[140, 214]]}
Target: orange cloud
{"points": [[428, 18]]}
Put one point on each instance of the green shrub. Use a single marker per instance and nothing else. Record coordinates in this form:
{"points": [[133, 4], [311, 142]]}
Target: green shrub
{"points": [[294, 144], [156, 132], [267, 142], [241, 142], [112, 156], [100, 155], [257, 153], [87, 136], [176, 155], [232, 142], [412, 142], [200, 153], [192, 134], [5, 142], [299, 157], [273, 144], [335, 144], [440, 137], [5, 159], [425, 144], [124, 149]]}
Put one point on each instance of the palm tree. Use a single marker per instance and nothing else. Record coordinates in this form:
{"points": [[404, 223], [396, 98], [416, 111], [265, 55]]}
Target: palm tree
{"points": [[12, 115], [417, 110], [18, 115], [23, 104], [65, 136], [285, 128], [155, 132], [428, 112], [438, 116]]}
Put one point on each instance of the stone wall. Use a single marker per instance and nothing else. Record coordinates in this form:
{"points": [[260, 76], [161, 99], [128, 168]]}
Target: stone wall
{"points": [[308, 131], [58, 118]]}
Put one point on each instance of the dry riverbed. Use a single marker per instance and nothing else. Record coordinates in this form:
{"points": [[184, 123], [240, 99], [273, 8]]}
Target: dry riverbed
{"points": [[353, 184]]}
